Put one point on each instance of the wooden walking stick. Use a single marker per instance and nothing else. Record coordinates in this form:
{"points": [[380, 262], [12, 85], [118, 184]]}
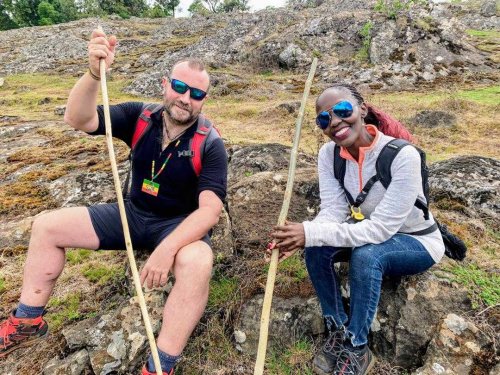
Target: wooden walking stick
{"points": [[273, 266], [123, 216]]}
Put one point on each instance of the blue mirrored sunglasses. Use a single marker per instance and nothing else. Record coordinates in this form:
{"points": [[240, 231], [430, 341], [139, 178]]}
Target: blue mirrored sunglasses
{"points": [[342, 110], [181, 87]]}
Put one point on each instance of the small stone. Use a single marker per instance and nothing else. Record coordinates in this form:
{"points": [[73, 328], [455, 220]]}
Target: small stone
{"points": [[438, 369], [455, 323], [473, 346], [60, 110], [2, 81], [240, 337]]}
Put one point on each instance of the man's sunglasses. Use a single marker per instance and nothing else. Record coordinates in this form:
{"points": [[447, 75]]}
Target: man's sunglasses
{"points": [[181, 87], [342, 110]]}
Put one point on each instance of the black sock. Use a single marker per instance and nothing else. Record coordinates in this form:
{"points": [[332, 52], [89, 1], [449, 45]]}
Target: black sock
{"points": [[167, 361]]}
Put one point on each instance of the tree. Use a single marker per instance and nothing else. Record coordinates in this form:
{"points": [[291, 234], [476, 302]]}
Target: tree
{"points": [[232, 5], [6, 21], [169, 6], [217, 6], [197, 7], [47, 14]]}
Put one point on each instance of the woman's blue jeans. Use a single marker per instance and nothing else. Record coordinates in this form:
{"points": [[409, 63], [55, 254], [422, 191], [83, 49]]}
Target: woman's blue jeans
{"points": [[398, 256]]}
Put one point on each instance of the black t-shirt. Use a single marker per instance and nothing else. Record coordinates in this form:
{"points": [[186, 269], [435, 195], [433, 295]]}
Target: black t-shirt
{"points": [[179, 186]]}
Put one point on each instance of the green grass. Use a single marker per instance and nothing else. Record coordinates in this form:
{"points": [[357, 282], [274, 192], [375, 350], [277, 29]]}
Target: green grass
{"points": [[293, 360], [78, 256], [2, 285], [222, 290], [484, 33], [66, 310], [294, 267], [101, 275], [485, 95], [22, 94], [484, 287]]}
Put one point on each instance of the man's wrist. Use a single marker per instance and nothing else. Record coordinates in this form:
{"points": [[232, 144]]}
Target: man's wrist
{"points": [[94, 76]]}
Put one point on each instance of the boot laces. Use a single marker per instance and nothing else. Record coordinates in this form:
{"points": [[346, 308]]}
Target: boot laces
{"points": [[6, 329]]}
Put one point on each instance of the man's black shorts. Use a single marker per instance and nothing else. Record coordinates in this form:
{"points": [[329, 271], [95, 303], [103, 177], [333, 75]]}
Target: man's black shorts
{"points": [[147, 230]]}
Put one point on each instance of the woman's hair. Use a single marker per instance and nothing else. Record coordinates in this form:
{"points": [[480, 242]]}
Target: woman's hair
{"points": [[370, 117]]}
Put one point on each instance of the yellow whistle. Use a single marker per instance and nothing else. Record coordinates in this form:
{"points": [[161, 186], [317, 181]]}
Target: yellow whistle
{"points": [[357, 215]]}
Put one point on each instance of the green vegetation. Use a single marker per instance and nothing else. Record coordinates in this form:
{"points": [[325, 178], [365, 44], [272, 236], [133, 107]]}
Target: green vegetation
{"points": [[222, 290], [2, 285], [365, 32], [484, 95], [484, 287], [490, 34], [293, 360], [101, 275], [66, 310], [294, 267], [393, 8], [78, 256]]}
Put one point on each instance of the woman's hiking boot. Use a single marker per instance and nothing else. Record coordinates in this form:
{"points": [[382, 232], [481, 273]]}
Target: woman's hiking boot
{"points": [[324, 362], [355, 361], [18, 332], [146, 372]]}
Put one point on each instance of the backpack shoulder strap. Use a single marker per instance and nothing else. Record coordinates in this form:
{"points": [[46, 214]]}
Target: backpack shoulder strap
{"points": [[198, 142], [143, 122], [339, 165], [383, 170]]}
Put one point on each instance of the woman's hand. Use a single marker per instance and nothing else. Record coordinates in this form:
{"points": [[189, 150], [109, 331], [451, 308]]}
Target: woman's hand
{"points": [[288, 239], [101, 47]]}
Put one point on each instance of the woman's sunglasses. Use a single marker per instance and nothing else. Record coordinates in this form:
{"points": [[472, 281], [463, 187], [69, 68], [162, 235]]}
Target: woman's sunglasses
{"points": [[181, 87], [342, 110]]}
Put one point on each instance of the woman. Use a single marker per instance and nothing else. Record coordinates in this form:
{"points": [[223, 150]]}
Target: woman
{"points": [[373, 243]]}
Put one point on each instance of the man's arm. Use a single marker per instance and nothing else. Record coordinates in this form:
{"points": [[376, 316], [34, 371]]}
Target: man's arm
{"points": [[197, 224], [82, 101], [193, 228]]}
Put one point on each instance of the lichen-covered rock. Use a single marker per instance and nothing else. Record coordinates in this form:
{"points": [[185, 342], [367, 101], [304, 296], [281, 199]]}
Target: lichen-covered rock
{"points": [[116, 342], [290, 318], [458, 347], [400, 333], [433, 119], [473, 181], [75, 364], [248, 160]]}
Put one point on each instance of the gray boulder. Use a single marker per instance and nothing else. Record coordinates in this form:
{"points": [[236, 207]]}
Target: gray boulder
{"points": [[458, 347], [290, 319], [473, 181]]}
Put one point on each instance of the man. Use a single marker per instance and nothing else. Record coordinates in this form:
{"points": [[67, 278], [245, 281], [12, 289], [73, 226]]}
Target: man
{"points": [[170, 211]]}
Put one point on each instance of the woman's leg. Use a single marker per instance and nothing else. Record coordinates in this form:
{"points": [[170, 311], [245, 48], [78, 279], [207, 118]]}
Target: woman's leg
{"points": [[400, 255], [319, 262]]}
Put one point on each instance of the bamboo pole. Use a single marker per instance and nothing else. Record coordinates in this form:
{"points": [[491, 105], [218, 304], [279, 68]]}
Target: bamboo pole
{"points": [[273, 266], [123, 216]]}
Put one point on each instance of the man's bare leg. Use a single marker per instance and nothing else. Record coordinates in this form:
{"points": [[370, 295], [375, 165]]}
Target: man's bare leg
{"points": [[188, 298], [51, 233]]}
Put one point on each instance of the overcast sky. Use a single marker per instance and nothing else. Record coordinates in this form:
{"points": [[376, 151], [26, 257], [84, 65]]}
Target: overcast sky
{"points": [[254, 5]]}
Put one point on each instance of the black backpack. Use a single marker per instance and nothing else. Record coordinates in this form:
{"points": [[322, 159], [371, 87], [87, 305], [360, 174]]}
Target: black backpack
{"points": [[455, 248]]}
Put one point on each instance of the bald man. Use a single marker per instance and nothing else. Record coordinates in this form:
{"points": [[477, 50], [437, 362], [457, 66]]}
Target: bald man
{"points": [[175, 199]]}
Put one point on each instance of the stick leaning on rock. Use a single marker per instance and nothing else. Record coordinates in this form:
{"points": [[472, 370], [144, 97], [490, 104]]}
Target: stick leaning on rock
{"points": [[123, 216], [273, 265]]}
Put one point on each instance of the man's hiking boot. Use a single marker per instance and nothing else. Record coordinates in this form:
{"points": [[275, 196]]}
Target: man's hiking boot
{"points": [[18, 332], [324, 362], [146, 372], [354, 361]]}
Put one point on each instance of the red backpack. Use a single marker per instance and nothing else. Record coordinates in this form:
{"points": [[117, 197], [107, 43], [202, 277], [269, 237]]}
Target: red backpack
{"points": [[196, 144]]}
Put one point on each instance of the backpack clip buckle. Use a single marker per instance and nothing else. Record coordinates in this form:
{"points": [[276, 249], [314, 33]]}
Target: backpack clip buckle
{"points": [[187, 153]]}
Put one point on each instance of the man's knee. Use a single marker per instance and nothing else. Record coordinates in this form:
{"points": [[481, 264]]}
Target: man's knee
{"points": [[196, 257], [44, 226]]}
